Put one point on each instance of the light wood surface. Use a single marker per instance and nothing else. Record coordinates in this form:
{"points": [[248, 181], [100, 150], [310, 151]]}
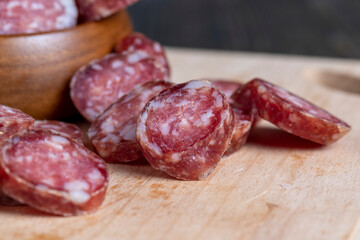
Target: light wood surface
{"points": [[276, 187], [35, 70]]}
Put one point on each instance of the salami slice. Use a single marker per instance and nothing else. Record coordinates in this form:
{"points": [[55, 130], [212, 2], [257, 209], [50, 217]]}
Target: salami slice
{"points": [[185, 129], [290, 112], [52, 173], [12, 121], [226, 86], [113, 133], [102, 82], [243, 122], [90, 10], [62, 128], [148, 47], [33, 16], [8, 201]]}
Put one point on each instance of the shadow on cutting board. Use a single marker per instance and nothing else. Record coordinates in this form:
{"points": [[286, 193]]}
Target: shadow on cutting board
{"points": [[277, 138]]}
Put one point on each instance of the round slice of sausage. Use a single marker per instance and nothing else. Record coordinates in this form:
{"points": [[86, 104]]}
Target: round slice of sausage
{"points": [[185, 129], [113, 133], [65, 129], [34, 16], [91, 10], [95, 86], [243, 122], [149, 48], [290, 112], [13, 121], [52, 173]]}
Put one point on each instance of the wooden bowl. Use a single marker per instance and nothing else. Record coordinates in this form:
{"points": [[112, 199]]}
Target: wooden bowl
{"points": [[35, 70]]}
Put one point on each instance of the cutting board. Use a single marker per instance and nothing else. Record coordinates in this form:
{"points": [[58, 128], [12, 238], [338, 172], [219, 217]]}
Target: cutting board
{"points": [[276, 187]]}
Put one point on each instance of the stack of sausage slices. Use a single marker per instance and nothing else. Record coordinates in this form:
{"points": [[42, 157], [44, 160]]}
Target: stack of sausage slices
{"points": [[136, 112]]}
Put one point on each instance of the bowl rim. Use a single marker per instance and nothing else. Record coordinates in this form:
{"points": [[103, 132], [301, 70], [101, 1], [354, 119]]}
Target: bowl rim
{"points": [[79, 26]]}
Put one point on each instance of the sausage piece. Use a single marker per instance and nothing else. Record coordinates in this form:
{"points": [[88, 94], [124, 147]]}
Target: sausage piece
{"points": [[226, 86], [185, 129], [290, 112], [148, 47], [242, 126], [113, 133], [52, 173], [34, 16], [94, 87]]}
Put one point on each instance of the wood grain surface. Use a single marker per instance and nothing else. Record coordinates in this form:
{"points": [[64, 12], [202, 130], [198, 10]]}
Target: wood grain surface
{"points": [[35, 69], [276, 187]]}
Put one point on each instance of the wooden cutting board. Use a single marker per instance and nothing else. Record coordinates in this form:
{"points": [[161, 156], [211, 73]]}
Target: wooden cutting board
{"points": [[276, 187]]}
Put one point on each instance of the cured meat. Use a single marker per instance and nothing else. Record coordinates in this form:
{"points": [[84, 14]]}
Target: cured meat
{"points": [[113, 133], [148, 47], [90, 10], [62, 128], [226, 86], [290, 112], [12, 121], [242, 126], [52, 173], [185, 129], [33, 16], [8, 201], [95, 86]]}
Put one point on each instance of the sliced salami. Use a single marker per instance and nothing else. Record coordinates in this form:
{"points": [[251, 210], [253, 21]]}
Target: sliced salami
{"points": [[148, 47], [113, 133], [243, 122], [52, 173], [90, 10], [12, 121], [65, 129], [185, 129], [226, 86], [34, 16], [8, 201], [290, 112], [95, 86]]}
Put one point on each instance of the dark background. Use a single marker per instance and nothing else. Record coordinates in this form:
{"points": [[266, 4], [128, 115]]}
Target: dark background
{"points": [[306, 27]]}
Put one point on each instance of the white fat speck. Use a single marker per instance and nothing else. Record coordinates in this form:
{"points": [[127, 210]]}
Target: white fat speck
{"points": [[293, 118], [74, 154], [157, 47], [196, 84], [97, 67], [116, 64], [28, 158], [79, 197], [128, 132], [164, 128], [16, 140], [174, 158], [261, 89], [91, 133], [76, 185], [137, 56], [94, 175], [107, 126], [19, 159], [54, 145], [184, 123], [205, 118], [36, 6], [218, 99], [110, 138], [66, 155], [335, 136], [129, 70], [212, 142], [51, 155], [7, 26], [59, 140], [69, 17], [138, 41]]}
